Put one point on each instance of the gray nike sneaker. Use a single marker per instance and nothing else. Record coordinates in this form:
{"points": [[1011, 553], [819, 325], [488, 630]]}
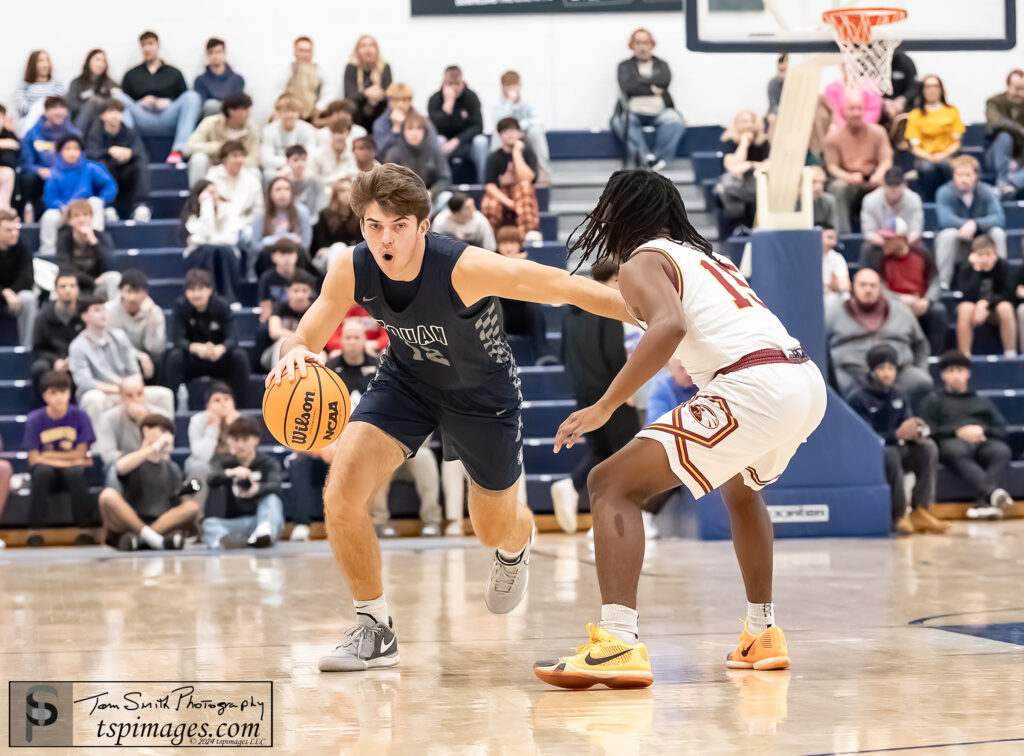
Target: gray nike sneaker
{"points": [[366, 646], [507, 583]]}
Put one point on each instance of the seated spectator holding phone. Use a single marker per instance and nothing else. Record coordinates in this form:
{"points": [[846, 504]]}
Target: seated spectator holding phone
{"points": [[908, 448], [244, 505], [57, 438], [155, 503], [208, 433]]}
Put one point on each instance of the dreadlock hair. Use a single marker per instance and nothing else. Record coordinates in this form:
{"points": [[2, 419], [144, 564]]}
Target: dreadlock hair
{"points": [[635, 207]]}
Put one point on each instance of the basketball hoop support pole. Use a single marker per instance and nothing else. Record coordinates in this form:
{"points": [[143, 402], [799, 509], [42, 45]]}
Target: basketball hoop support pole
{"points": [[784, 177]]}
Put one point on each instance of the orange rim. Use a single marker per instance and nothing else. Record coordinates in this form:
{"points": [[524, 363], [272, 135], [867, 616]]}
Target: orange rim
{"points": [[854, 24]]}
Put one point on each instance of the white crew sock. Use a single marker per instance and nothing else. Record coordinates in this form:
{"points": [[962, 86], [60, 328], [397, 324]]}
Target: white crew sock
{"points": [[760, 617], [153, 539], [368, 612], [620, 621], [511, 557]]}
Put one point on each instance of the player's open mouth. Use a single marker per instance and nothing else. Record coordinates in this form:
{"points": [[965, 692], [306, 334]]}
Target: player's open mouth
{"points": [[388, 257]]}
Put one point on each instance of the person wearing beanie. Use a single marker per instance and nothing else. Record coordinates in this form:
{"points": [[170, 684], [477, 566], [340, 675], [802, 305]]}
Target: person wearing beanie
{"points": [[885, 407], [969, 430]]}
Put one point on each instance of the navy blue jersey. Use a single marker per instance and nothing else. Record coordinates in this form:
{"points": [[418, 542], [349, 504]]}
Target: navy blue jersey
{"points": [[434, 338]]}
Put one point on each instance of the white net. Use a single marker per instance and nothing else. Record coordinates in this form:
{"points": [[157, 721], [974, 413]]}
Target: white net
{"points": [[870, 63]]}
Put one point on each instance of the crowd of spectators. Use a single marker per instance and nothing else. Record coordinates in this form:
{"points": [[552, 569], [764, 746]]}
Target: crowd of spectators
{"points": [[270, 202]]}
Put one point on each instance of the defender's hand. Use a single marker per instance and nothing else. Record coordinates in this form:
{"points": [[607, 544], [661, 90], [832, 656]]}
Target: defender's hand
{"points": [[292, 362], [581, 422]]}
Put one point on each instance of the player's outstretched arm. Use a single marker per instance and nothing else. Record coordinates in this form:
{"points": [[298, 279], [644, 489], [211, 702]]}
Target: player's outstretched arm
{"points": [[319, 323], [480, 274], [647, 288]]}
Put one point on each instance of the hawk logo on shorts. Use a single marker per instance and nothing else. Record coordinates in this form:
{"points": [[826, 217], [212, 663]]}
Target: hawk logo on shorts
{"points": [[704, 415]]}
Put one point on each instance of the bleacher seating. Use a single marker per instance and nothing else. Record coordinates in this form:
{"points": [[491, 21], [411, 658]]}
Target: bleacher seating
{"points": [[155, 247]]}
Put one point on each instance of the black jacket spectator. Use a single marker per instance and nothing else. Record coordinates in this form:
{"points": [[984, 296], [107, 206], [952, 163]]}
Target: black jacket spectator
{"points": [[15, 269], [948, 411], [167, 82], [884, 409], [996, 285], [466, 119], [358, 79], [52, 334], [355, 377], [497, 164], [132, 175], [189, 325], [9, 157], [222, 501], [331, 227]]}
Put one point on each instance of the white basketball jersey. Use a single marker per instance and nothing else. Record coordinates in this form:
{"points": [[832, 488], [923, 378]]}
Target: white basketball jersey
{"points": [[725, 320]]}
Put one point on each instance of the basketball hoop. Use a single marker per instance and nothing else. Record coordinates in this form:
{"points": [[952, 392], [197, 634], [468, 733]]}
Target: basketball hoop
{"points": [[867, 60]]}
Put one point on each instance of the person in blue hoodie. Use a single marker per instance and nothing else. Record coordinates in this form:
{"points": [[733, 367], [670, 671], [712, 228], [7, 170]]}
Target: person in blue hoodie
{"points": [[37, 150], [908, 448], [218, 80], [73, 177]]}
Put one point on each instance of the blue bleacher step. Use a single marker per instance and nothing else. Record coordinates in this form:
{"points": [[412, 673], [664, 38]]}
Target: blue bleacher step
{"points": [[165, 177]]}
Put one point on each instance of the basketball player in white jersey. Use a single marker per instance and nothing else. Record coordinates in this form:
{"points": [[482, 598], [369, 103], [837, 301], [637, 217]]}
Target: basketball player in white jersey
{"points": [[760, 397]]}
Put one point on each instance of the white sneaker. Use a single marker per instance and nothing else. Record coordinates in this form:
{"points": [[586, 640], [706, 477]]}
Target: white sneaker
{"points": [[566, 502], [430, 531], [3, 544], [300, 533], [507, 583], [984, 513], [453, 528], [261, 537], [142, 214], [110, 215], [1001, 498], [650, 529], [533, 236], [659, 166]]}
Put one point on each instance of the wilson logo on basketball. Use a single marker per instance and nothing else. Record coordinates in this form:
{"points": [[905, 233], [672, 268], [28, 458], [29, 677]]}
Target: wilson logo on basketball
{"points": [[704, 415], [332, 420], [300, 428]]}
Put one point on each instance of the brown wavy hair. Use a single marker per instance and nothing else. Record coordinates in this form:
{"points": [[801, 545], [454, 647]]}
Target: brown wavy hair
{"points": [[270, 210]]}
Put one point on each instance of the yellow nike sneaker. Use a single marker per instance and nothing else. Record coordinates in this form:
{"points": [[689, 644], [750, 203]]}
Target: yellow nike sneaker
{"points": [[603, 659], [765, 651]]}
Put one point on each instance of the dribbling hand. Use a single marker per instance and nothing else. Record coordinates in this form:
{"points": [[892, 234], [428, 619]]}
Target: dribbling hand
{"points": [[291, 363], [580, 422]]}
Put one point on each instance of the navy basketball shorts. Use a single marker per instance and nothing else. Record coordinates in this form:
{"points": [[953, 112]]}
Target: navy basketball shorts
{"points": [[482, 426]]}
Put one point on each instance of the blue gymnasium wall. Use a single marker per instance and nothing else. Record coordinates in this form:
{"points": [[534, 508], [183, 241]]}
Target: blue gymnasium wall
{"points": [[840, 466]]}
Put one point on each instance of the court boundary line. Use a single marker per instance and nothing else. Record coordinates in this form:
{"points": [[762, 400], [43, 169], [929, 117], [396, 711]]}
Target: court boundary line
{"points": [[919, 747]]}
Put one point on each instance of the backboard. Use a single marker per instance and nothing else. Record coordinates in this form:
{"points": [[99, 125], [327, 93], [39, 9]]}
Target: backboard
{"points": [[737, 26]]}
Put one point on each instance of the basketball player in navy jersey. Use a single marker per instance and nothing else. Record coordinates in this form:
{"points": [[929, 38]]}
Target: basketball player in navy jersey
{"points": [[448, 367]]}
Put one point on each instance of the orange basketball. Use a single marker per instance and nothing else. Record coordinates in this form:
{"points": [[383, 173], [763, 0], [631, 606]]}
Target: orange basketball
{"points": [[309, 413]]}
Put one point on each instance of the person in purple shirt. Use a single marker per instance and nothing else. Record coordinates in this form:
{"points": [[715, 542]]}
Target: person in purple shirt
{"points": [[57, 438]]}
